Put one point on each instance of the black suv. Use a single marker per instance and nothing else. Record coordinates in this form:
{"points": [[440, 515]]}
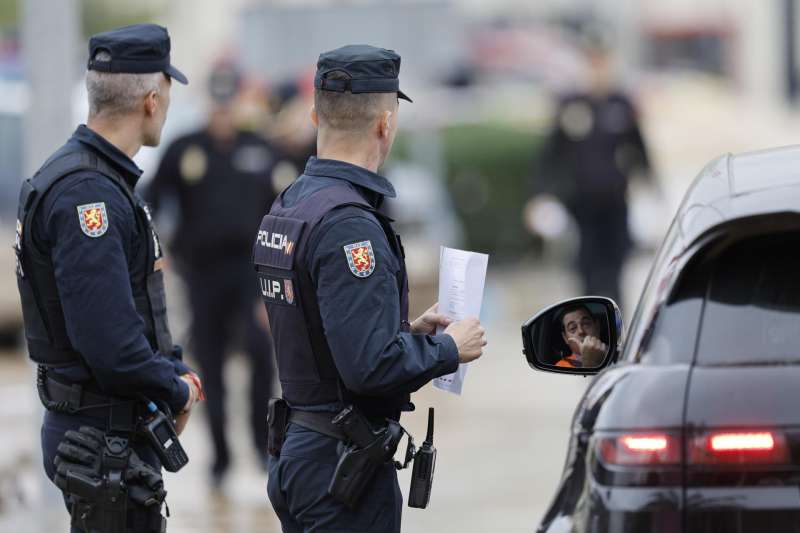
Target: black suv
{"points": [[693, 421]]}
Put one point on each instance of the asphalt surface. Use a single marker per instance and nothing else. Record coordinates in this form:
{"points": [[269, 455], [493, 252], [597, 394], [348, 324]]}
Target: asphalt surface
{"points": [[501, 444]]}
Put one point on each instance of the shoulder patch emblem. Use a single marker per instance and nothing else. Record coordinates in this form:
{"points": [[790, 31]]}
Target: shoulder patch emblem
{"points": [[360, 258], [93, 219]]}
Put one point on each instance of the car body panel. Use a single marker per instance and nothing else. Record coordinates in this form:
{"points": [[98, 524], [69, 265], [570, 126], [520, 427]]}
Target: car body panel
{"points": [[740, 186], [581, 501], [742, 509], [743, 498], [737, 396], [659, 393]]}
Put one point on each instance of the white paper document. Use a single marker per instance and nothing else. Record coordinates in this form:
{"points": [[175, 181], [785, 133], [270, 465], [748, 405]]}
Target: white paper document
{"points": [[462, 276]]}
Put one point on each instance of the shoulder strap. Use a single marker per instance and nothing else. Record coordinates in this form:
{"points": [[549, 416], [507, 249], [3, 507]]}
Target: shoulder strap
{"points": [[34, 189], [341, 198]]}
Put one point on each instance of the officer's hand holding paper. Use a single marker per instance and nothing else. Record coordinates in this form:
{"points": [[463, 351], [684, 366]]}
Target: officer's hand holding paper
{"points": [[468, 334], [462, 276], [430, 321]]}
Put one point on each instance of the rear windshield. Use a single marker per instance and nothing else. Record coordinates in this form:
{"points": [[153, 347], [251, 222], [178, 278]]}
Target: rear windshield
{"points": [[752, 311]]}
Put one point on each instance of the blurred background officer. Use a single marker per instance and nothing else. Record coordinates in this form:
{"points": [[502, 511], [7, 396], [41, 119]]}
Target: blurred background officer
{"points": [[221, 179], [89, 261], [592, 149], [333, 277], [289, 127]]}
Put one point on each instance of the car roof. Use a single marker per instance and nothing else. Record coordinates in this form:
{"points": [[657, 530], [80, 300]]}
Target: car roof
{"points": [[740, 186]]}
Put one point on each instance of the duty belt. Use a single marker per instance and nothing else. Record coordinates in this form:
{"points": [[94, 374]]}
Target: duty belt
{"points": [[119, 414], [316, 421]]}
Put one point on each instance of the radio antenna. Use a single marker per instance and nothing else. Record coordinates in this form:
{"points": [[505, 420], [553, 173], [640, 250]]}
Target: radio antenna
{"points": [[429, 436]]}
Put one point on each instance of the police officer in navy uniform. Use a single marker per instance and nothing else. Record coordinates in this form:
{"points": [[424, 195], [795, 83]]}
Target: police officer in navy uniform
{"points": [[332, 273], [220, 178], [594, 147], [89, 267]]}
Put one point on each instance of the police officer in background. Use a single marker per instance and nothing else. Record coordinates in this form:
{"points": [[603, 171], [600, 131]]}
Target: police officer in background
{"points": [[92, 291], [332, 273], [220, 177], [593, 148]]}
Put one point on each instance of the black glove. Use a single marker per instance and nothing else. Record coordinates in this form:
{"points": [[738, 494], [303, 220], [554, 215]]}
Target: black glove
{"points": [[80, 453], [145, 484]]}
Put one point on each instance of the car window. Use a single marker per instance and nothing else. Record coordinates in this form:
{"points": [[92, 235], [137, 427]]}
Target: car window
{"points": [[752, 311], [672, 334]]}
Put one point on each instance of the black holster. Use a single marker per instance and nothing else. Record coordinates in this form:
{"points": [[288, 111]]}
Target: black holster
{"points": [[367, 449], [355, 470], [277, 421], [106, 483], [101, 505], [362, 449]]}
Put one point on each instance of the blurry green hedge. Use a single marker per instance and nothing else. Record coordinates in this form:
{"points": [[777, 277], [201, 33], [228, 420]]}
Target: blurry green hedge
{"points": [[9, 15], [489, 168], [102, 15]]}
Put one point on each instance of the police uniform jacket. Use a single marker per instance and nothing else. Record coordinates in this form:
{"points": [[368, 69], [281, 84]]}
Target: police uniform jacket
{"points": [[222, 192], [98, 287], [592, 149], [332, 274]]}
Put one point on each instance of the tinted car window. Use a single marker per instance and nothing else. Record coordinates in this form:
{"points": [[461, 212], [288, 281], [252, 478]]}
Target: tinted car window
{"points": [[752, 311], [672, 335]]}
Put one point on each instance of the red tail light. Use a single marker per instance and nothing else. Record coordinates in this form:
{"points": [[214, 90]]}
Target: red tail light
{"points": [[644, 449], [725, 442], [651, 443], [739, 447]]}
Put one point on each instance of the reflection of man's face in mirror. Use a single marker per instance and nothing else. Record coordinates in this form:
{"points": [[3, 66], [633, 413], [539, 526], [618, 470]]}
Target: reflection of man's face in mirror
{"points": [[581, 332], [579, 324]]}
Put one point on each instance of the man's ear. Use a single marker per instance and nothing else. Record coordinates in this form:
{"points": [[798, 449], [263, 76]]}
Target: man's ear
{"points": [[385, 124], [151, 103], [314, 116]]}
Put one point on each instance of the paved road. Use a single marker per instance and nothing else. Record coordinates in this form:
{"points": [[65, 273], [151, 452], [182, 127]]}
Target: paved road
{"points": [[501, 444]]}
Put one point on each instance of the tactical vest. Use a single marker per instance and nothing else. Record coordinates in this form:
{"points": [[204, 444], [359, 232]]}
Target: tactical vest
{"points": [[307, 372], [45, 326]]}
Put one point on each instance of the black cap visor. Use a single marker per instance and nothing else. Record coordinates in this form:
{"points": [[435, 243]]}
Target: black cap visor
{"points": [[402, 96], [176, 74]]}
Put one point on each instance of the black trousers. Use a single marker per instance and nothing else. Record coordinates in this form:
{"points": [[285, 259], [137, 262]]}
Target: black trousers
{"points": [[298, 490], [604, 245], [223, 299]]}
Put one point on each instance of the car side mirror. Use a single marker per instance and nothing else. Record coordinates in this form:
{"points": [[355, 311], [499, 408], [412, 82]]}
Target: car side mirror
{"points": [[576, 336]]}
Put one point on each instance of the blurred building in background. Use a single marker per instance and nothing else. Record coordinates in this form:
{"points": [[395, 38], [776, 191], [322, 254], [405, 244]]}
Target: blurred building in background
{"points": [[486, 71]]}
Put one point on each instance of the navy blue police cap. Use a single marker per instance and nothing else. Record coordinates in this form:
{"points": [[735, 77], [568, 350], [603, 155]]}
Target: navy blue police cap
{"points": [[368, 70], [135, 49]]}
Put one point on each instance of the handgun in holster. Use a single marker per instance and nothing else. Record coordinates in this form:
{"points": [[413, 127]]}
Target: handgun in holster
{"points": [[366, 450]]}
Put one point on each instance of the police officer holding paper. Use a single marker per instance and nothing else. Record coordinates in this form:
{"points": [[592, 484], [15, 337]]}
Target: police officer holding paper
{"points": [[92, 291], [331, 271]]}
